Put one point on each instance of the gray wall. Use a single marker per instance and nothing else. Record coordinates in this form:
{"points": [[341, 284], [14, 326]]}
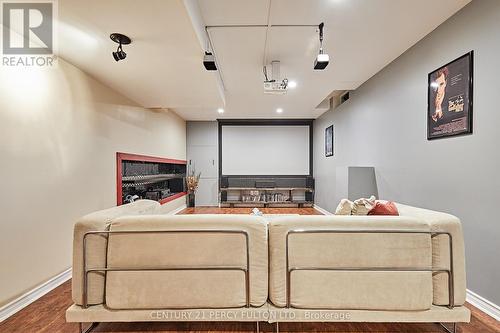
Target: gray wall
{"points": [[384, 125]]}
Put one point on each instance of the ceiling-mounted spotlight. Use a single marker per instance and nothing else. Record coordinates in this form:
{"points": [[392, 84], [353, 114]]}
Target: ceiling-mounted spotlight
{"points": [[209, 62], [322, 59], [121, 40]]}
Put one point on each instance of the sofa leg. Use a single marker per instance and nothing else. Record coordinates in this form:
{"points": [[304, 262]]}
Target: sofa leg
{"points": [[88, 329], [453, 328]]}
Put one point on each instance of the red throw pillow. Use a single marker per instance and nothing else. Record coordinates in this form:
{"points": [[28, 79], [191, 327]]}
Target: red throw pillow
{"points": [[384, 208]]}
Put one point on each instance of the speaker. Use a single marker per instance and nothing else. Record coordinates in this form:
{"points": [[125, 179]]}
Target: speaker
{"points": [[223, 196], [309, 197], [265, 184], [224, 182], [310, 182]]}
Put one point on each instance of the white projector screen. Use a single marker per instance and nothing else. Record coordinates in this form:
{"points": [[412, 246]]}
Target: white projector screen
{"points": [[265, 150]]}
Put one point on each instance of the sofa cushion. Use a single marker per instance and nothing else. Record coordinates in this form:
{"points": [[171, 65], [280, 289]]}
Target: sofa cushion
{"points": [[364, 290], [362, 206], [344, 207], [175, 289], [369, 249], [203, 248], [384, 208]]}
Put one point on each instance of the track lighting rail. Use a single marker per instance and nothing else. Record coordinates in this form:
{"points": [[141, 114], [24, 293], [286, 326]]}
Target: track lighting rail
{"points": [[261, 26], [211, 50]]}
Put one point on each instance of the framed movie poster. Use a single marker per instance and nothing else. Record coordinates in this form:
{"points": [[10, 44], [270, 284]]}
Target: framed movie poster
{"points": [[449, 99], [329, 141]]}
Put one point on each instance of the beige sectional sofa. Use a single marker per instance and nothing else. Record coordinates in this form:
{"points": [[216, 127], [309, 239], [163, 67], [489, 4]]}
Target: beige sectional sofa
{"points": [[132, 264]]}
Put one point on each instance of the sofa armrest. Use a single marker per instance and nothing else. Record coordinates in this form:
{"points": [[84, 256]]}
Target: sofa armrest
{"points": [[96, 247], [449, 224], [95, 256]]}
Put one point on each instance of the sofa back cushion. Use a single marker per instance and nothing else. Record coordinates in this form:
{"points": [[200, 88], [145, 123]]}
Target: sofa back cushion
{"points": [[187, 261], [333, 265]]}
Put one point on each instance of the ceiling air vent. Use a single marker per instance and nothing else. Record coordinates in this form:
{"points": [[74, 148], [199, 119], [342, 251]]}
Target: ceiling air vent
{"points": [[344, 97]]}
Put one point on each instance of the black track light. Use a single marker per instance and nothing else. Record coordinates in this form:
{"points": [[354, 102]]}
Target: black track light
{"points": [[119, 54], [209, 62], [322, 59], [121, 40]]}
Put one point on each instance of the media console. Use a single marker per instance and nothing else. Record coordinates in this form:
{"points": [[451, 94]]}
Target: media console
{"points": [[274, 191]]}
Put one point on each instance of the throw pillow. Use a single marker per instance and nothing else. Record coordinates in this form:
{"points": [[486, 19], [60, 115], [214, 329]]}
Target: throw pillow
{"points": [[344, 207], [363, 206], [384, 208]]}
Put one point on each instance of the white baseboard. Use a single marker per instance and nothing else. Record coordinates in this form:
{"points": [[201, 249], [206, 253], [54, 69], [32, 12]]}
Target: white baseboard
{"points": [[177, 210], [23, 301], [322, 210], [483, 304]]}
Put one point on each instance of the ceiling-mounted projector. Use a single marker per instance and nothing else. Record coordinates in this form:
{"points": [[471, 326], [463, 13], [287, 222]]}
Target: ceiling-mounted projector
{"points": [[275, 85], [277, 88]]}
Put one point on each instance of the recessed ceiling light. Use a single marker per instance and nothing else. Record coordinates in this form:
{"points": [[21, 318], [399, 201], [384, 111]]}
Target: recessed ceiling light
{"points": [[292, 84], [279, 110], [220, 110]]}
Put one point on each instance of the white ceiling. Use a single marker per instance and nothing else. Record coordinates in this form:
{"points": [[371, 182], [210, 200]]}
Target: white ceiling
{"points": [[163, 67], [164, 63]]}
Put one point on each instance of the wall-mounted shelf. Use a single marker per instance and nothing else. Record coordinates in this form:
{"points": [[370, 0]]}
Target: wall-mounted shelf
{"points": [[148, 177], [139, 178]]}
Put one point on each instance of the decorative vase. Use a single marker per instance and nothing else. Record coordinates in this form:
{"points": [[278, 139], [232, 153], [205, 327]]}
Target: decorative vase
{"points": [[190, 199]]}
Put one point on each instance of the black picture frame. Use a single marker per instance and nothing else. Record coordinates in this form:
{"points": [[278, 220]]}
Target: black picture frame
{"points": [[329, 147], [454, 116]]}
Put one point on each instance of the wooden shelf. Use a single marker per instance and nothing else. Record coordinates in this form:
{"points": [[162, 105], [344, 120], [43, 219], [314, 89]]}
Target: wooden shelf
{"points": [[159, 177], [298, 190], [265, 202], [266, 189], [172, 197], [142, 180]]}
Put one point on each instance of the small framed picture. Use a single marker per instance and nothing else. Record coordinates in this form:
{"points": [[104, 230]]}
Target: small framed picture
{"points": [[329, 141], [449, 99]]}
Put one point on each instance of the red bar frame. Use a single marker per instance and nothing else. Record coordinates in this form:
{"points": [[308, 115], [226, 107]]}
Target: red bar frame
{"points": [[142, 158]]}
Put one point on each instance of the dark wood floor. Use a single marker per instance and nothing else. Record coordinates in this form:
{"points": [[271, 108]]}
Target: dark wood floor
{"points": [[47, 316], [217, 210]]}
